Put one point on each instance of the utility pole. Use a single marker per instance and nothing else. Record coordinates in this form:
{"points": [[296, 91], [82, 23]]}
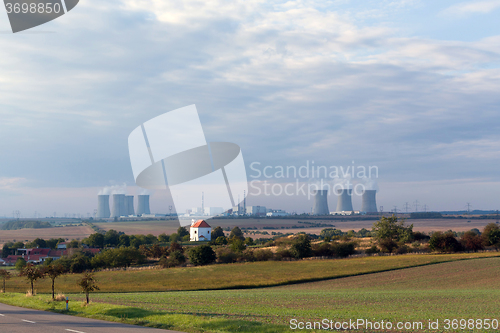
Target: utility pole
{"points": [[416, 205], [425, 208], [407, 206], [468, 209]]}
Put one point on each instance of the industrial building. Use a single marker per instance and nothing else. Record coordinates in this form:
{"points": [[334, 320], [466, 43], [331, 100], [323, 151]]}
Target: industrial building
{"points": [[369, 202], [344, 200], [320, 202], [256, 210], [103, 211], [143, 205]]}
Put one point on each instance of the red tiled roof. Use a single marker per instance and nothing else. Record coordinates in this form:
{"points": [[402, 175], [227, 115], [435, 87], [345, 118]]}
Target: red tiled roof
{"points": [[200, 224]]}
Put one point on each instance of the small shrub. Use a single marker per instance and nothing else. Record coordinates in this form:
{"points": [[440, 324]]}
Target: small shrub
{"points": [[226, 256], [202, 255], [263, 255], [283, 254], [372, 250]]}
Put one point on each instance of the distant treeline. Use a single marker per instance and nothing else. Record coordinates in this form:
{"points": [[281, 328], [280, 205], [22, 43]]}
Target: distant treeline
{"points": [[15, 225], [426, 215]]}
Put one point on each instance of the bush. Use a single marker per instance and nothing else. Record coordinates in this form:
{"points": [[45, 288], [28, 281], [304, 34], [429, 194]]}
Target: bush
{"points": [[491, 235], [387, 245], [263, 255], [301, 247], [372, 250], [444, 242], [471, 241], [226, 256], [402, 249], [237, 245], [283, 253], [343, 250], [176, 258], [221, 240], [202, 255]]}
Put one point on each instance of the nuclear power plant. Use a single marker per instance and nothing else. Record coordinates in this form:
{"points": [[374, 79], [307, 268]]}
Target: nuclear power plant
{"points": [[344, 203], [129, 199], [320, 202], [119, 208], [143, 205], [103, 207], [368, 201]]}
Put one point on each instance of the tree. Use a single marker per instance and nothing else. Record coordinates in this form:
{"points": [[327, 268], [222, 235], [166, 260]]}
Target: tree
{"points": [[236, 233], [20, 263], [174, 237], [163, 238], [32, 273], [471, 241], [202, 255], [124, 240], [217, 232], [182, 231], [88, 283], [176, 258], [111, 238], [388, 228], [79, 263], [301, 247], [237, 245], [53, 271], [491, 235], [221, 240], [4, 275], [73, 244], [249, 241], [38, 242], [174, 246], [96, 240], [444, 242]]}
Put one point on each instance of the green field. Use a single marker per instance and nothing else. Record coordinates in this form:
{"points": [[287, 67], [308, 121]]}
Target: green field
{"points": [[242, 275], [462, 289]]}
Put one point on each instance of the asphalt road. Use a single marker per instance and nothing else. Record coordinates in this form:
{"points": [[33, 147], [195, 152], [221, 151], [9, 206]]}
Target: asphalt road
{"points": [[20, 320]]}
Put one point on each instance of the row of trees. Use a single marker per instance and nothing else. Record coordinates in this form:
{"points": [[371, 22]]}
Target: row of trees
{"points": [[10, 248], [470, 241], [392, 235], [32, 273]]}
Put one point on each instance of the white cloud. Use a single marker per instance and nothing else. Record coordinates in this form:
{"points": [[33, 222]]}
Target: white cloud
{"points": [[471, 7]]}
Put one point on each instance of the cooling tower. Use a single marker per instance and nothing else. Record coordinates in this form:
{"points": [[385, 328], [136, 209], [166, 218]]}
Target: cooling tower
{"points": [[130, 204], [320, 202], [143, 205], [118, 205], [103, 207], [344, 203], [368, 202]]}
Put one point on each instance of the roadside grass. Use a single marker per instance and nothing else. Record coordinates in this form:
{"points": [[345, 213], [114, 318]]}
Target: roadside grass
{"points": [[143, 317], [241, 275]]}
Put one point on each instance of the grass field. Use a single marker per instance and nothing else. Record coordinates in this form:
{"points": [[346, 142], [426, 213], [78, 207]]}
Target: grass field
{"points": [[453, 290], [243, 275]]}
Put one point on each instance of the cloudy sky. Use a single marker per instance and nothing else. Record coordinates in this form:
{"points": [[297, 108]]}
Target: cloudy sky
{"points": [[409, 86]]}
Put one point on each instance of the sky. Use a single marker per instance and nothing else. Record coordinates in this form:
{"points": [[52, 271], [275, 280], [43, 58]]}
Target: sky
{"points": [[408, 86]]}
